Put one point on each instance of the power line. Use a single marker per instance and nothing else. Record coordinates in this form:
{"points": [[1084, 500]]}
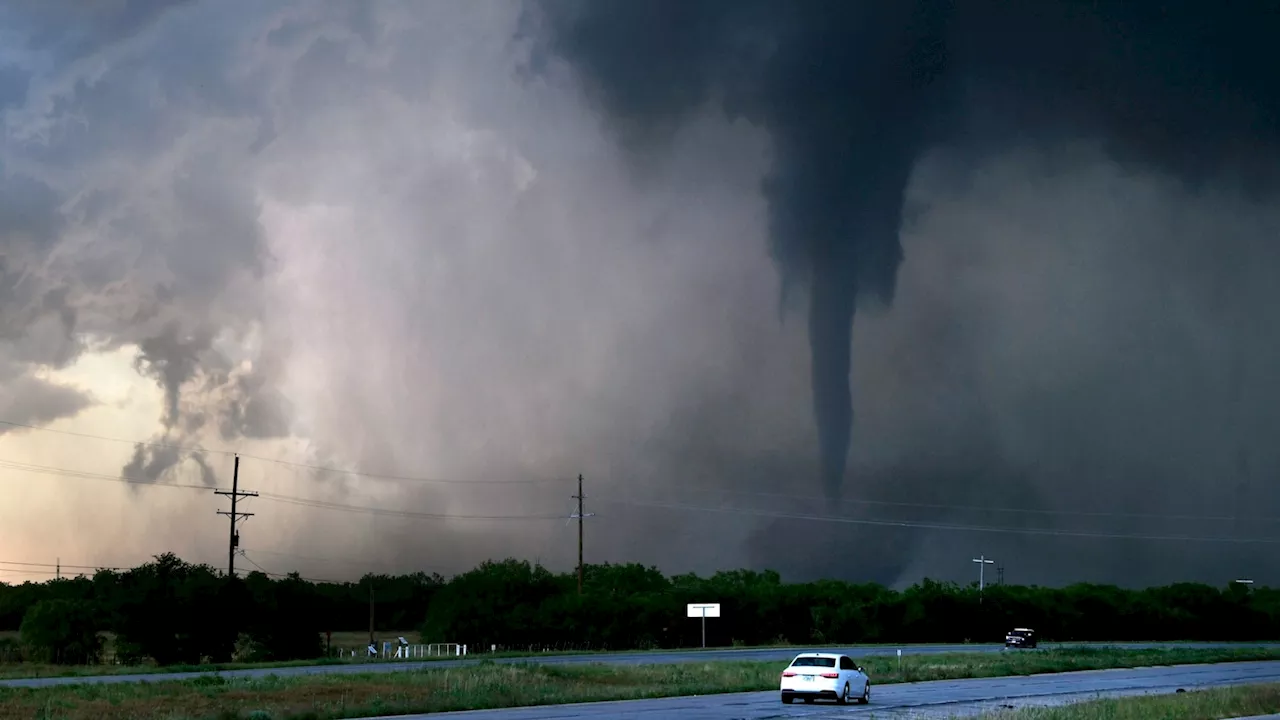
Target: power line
{"points": [[338, 561], [531, 481], [63, 472], [251, 562], [52, 570], [288, 499], [268, 573], [944, 526], [313, 558], [45, 573], [945, 506], [327, 505], [324, 505], [34, 568], [304, 466], [53, 565]]}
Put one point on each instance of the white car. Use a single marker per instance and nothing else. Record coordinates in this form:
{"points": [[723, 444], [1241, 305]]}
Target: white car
{"points": [[825, 675]]}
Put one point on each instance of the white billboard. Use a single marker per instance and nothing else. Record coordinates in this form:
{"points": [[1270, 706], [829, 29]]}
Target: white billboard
{"points": [[697, 610]]}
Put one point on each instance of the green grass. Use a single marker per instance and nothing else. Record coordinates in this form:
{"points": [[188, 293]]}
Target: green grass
{"points": [[493, 685], [13, 671], [348, 640], [1211, 704]]}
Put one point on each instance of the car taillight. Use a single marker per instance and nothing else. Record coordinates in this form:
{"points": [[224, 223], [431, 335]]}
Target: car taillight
{"points": [[830, 675], [788, 673]]}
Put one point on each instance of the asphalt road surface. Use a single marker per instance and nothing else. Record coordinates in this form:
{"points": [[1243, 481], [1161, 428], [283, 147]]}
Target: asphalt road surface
{"points": [[939, 699], [780, 655]]}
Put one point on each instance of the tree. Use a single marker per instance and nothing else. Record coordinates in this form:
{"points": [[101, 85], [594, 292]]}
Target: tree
{"points": [[285, 626], [171, 611], [63, 632]]}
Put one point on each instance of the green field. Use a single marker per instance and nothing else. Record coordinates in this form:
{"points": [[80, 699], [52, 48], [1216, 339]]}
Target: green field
{"points": [[348, 640], [491, 685], [1212, 704]]}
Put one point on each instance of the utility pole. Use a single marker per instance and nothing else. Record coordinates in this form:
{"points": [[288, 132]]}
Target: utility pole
{"points": [[58, 571], [1000, 575], [235, 494], [580, 515], [983, 562], [371, 611]]}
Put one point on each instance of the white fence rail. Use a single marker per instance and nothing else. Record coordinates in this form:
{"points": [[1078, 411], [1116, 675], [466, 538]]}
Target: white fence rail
{"points": [[404, 651]]}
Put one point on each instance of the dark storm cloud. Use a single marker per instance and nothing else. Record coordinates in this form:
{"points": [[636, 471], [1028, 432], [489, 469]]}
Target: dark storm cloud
{"points": [[172, 359], [29, 227], [72, 29], [150, 463], [28, 211], [31, 401], [347, 234], [255, 410], [37, 317], [123, 158], [854, 93]]}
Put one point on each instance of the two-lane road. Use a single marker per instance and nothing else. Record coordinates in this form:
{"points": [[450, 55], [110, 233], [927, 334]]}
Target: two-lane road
{"points": [[780, 655], [933, 700]]}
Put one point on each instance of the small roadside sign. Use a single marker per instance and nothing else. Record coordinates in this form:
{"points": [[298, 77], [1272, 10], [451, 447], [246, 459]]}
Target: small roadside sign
{"points": [[704, 611]]}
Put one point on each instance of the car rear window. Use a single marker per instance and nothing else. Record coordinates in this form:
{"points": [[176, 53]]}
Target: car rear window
{"points": [[813, 662]]}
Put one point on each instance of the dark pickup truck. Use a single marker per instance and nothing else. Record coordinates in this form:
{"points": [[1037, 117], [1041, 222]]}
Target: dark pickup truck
{"points": [[1020, 638]]}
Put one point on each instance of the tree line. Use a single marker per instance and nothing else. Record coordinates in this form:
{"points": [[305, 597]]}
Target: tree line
{"points": [[517, 606], [172, 612]]}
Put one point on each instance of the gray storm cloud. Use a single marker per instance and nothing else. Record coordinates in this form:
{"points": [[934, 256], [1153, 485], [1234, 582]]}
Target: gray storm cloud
{"points": [[853, 94], [121, 221], [823, 79], [403, 237]]}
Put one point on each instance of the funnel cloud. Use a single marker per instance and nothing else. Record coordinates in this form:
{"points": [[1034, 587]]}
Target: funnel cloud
{"points": [[853, 94]]}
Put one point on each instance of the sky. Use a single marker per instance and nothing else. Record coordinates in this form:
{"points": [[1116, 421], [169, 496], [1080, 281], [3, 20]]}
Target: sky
{"points": [[422, 264]]}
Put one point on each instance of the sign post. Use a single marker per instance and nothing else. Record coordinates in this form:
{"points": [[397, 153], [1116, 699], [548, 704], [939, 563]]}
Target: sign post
{"points": [[704, 611]]}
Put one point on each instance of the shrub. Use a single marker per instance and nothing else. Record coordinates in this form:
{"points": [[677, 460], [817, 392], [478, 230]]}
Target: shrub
{"points": [[63, 632]]}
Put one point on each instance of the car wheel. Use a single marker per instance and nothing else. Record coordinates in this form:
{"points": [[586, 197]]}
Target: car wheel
{"points": [[786, 699], [866, 694], [844, 695]]}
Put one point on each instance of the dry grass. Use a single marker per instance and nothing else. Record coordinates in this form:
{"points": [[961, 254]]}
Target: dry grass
{"points": [[336, 696], [952, 666], [349, 640], [1212, 704], [491, 685]]}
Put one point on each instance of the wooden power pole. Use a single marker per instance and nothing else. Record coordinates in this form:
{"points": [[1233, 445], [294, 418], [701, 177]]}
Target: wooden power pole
{"points": [[580, 515], [235, 494]]}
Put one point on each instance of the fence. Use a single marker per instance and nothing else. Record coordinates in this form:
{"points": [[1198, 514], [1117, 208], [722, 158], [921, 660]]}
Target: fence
{"points": [[397, 651], [12, 652]]}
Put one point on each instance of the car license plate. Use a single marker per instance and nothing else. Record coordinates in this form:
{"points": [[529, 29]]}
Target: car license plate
{"points": [[807, 678]]}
